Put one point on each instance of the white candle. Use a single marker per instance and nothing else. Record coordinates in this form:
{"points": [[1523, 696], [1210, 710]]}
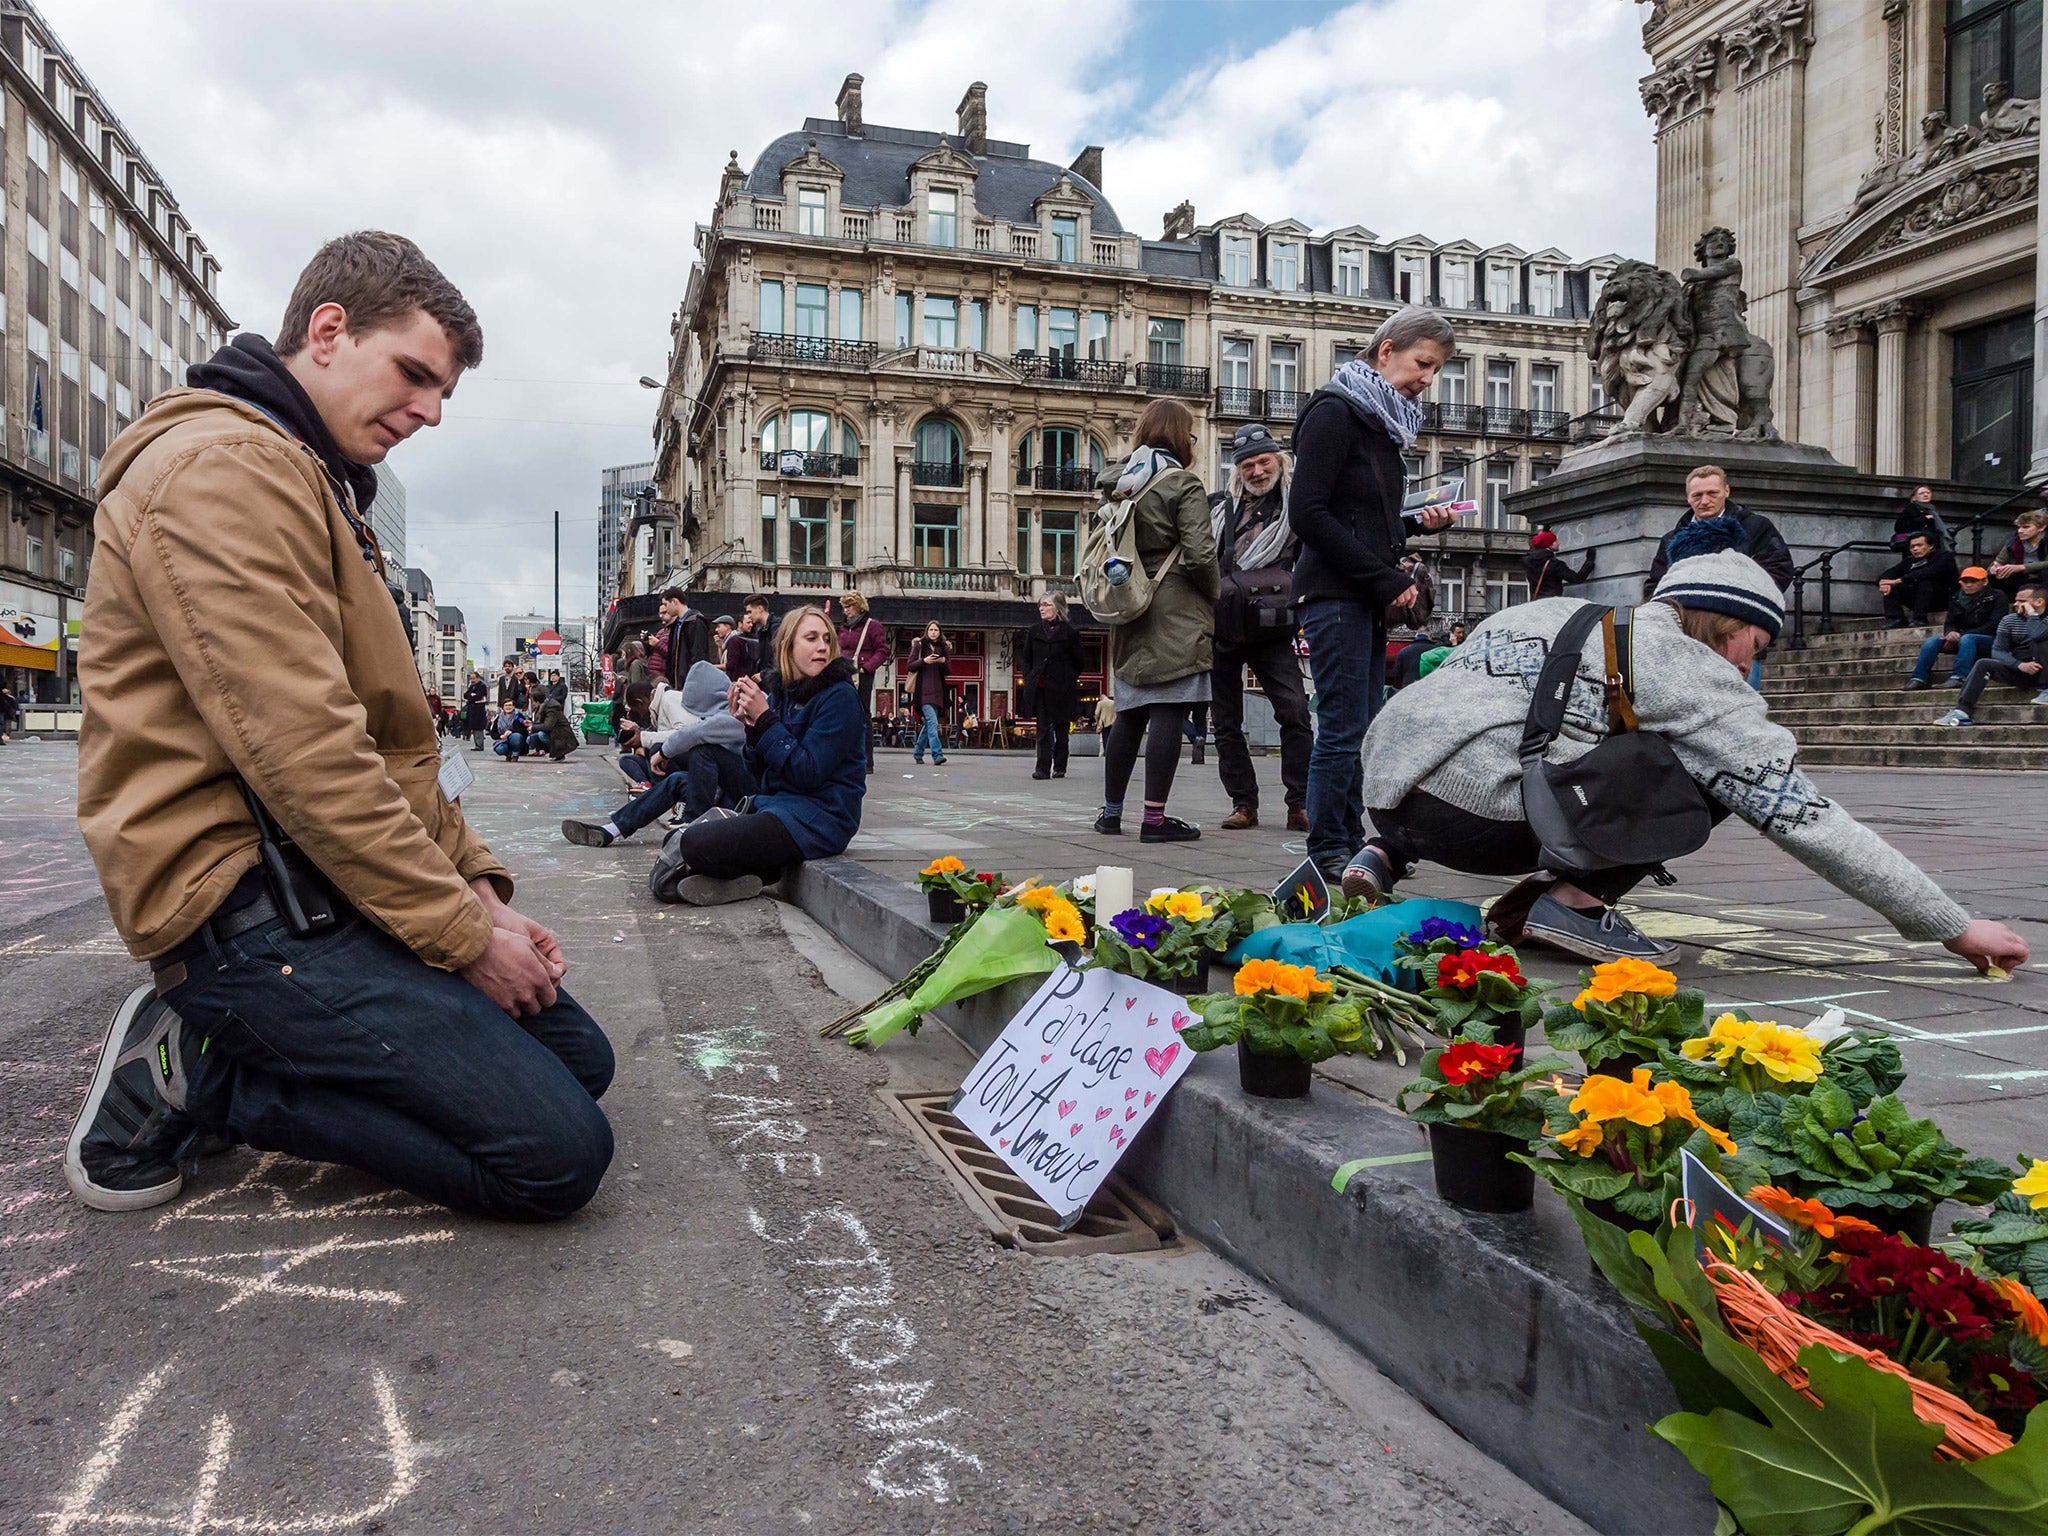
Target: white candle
{"points": [[1113, 888]]}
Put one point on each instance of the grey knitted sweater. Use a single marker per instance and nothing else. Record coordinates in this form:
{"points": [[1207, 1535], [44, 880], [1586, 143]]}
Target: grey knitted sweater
{"points": [[1454, 735]]}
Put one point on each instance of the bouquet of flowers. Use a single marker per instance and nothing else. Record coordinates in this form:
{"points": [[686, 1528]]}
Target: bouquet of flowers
{"points": [[1616, 1143], [1477, 1085], [1626, 1012]]}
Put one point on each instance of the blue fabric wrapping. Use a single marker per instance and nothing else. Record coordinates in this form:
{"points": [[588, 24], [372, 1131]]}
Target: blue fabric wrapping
{"points": [[1365, 943]]}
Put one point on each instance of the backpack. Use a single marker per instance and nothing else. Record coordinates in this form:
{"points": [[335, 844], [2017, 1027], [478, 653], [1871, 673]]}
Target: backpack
{"points": [[1111, 544]]}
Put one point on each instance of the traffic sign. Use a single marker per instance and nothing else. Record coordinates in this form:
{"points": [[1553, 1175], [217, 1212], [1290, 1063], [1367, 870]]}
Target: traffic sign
{"points": [[548, 642]]}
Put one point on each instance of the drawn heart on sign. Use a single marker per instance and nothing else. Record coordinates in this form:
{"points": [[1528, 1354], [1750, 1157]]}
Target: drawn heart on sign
{"points": [[1130, 1094], [1116, 1135], [1181, 1021], [1104, 1113], [1067, 1107], [1045, 1058], [1149, 1098], [1154, 1019], [1159, 1061], [1074, 1129], [1002, 1141], [1130, 1002], [1130, 1114]]}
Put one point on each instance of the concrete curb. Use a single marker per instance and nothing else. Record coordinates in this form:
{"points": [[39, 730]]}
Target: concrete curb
{"points": [[1497, 1323]]}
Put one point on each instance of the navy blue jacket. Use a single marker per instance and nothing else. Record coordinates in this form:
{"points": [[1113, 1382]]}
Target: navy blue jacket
{"points": [[810, 753]]}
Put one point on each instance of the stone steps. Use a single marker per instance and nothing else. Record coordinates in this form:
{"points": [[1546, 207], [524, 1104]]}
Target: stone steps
{"points": [[1879, 754], [1924, 709], [1924, 734]]}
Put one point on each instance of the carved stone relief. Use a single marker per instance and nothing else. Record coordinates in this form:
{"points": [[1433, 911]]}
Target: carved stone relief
{"points": [[1967, 195]]}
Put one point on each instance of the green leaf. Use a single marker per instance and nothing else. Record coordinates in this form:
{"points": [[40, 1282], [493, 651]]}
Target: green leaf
{"points": [[1698, 1386]]}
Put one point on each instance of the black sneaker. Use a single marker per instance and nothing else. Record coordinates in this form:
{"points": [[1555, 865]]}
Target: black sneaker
{"points": [[1171, 830], [131, 1130], [703, 891], [1598, 936], [1038, 774], [586, 834], [1918, 685], [1110, 826]]}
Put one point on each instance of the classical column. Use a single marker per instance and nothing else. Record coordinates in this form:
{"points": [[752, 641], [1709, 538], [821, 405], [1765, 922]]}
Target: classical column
{"points": [[901, 552], [1766, 53], [1894, 324], [2037, 469], [976, 552], [1854, 378], [1680, 96]]}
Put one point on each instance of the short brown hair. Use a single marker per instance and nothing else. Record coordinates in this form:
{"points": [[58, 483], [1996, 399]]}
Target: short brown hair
{"points": [[853, 603], [1705, 470], [1168, 426], [2033, 517], [785, 638], [379, 279]]}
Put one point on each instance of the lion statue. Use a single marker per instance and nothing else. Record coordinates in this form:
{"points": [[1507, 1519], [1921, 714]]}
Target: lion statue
{"points": [[1641, 332]]}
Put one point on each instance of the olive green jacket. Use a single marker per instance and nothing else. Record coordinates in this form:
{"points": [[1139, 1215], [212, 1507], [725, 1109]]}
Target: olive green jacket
{"points": [[1175, 636]]}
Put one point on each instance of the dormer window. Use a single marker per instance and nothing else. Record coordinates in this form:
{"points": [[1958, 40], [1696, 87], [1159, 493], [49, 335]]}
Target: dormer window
{"points": [[1349, 271], [810, 211], [1283, 265], [1411, 278], [1544, 291], [943, 222], [1500, 287], [1457, 284], [1066, 237], [1237, 261]]}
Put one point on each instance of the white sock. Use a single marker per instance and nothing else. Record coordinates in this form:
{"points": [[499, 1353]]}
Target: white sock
{"points": [[611, 829]]}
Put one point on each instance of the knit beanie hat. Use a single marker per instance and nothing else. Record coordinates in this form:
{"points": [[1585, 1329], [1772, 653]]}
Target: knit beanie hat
{"points": [[1543, 538], [1726, 583], [1704, 536]]}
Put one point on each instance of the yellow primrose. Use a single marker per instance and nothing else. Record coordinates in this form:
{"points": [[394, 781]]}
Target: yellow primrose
{"points": [[1185, 905], [2034, 1184], [948, 865], [1584, 1138]]}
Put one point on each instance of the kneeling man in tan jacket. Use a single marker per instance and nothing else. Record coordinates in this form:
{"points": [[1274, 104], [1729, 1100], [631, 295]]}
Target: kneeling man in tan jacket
{"points": [[337, 972]]}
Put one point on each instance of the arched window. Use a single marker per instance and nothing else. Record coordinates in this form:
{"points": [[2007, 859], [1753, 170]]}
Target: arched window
{"points": [[937, 453], [810, 431], [809, 434], [1058, 459]]}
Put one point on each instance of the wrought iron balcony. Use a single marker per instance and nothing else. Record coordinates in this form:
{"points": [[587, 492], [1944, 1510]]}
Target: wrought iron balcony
{"points": [[1506, 421], [811, 349], [795, 461], [937, 472], [1173, 379], [1469, 420], [1284, 404], [1233, 401], [1059, 477], [1058, 367], [1553, 424]]}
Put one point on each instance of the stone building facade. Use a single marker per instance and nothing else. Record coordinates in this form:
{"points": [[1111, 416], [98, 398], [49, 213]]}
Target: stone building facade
{"points": [[1878, 162], [108, 297], [904, 356]]}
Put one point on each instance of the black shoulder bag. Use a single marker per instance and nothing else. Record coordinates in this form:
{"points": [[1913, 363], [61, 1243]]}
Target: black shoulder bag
{"points": [[1627, 803]]}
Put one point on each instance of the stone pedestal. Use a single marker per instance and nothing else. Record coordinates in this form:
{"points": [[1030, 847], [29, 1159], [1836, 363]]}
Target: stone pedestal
{"points": [[1621, 498]]}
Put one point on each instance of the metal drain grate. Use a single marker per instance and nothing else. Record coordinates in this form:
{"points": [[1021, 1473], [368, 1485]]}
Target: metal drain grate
{"points": [[1118, 1219]]}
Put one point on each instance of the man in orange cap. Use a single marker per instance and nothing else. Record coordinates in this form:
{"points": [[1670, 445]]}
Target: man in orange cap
{"points": [[1973, 615]]}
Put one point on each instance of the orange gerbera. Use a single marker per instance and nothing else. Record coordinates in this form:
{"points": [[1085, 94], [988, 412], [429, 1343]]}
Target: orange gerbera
{"points": [[1273, 976], [2026, 1306], [1618, 978], [1039, 898], [948, 865], [1810, 1214]]}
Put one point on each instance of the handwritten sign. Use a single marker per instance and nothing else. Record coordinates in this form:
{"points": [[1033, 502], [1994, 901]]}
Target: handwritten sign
{"points": [[1717, 1208], [1073, 1078], [1303, 896]]}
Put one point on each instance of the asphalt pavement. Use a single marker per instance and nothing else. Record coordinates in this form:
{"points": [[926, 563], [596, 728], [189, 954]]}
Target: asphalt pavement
{"points": [[776, 1316]]}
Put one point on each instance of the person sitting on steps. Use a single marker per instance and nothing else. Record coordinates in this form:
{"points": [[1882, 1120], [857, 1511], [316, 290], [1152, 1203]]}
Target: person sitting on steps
{"points": [[2019, 655], [1918, 585], [1973, 615], [698, 764]]}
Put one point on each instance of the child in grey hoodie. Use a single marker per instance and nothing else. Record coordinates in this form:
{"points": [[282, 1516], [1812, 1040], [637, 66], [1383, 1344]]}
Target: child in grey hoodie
{"points": [[698, 764]]}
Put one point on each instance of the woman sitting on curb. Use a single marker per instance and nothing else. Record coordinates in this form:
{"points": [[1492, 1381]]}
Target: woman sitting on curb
{"points": [[1443, 772], [807, 747]]}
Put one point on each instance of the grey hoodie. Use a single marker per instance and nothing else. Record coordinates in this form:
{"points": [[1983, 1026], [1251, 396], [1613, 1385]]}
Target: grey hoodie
{"points": [[712, 723]]}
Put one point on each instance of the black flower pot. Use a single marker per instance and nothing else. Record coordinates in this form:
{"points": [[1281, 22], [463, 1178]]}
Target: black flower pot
{"points": [[1915, 1223], [1606, 1211], [1195, 985], [1282, 1076], [1623, 1067], [946, 907], [1473, 1171]]}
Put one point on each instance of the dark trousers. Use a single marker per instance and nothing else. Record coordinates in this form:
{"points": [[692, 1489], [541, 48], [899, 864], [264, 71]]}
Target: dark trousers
{"points": [[709, 775], [1347, 655], [728, 847], [348, 1048], [1987, 672], [1915, 598], [1423, 828], [867, 714], [1052, 742], [1278, 670], [1162, 751]]}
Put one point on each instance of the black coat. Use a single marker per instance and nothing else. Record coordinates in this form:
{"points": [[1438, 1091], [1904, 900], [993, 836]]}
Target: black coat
{"points": [[1052, 671], [1918, 517], [1345, 506], [928, 667], [1936, 575], [689, 642], [1977, 615], [476, 700], [1761, 541], [1549, 571]]}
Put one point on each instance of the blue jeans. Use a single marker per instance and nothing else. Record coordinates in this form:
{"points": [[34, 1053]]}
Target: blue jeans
{"points": [[348, 1048], [1968, 649], [928, 732], [511, 744], [1347, 657], [708, 776]]}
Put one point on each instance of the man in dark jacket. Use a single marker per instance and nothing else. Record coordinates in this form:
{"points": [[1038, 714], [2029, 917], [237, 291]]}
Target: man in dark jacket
{"points": [[1548, 571], [1918, 585], [1255, 628], [688, 634], [1345, 505], [746, 647], [1973, 615], [2018, 659], [1750, 533]]}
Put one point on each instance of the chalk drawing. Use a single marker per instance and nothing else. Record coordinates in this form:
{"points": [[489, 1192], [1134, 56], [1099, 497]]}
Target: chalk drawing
{"points": [[277, 1263], [205, 1508], [284, 1183]]}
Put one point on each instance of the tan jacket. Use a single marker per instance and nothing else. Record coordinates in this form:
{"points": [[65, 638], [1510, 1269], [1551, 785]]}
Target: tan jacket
{"points": [[237, 628]]}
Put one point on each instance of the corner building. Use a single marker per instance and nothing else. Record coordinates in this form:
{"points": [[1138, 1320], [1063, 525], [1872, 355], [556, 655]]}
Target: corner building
{"points": [[904, 356]]}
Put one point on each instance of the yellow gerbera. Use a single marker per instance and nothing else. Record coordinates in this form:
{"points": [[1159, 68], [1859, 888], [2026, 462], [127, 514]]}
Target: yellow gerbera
{"points": [[1182, 904], [2034, 1184], [947, 865], [1618, 978], [1584, 1138], [1273, 976], [1063, 921], [1039, 899]]}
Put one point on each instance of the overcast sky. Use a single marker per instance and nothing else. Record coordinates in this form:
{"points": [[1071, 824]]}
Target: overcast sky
{"points": [[555, 160]]}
